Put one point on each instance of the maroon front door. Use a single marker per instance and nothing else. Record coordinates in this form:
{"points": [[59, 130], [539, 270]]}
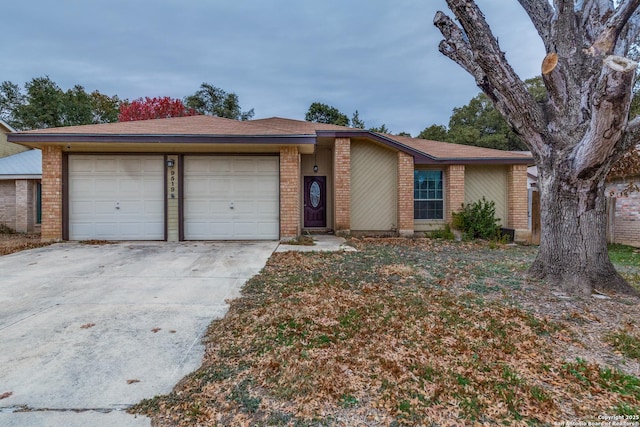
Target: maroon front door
{"points": [[315, 201]]}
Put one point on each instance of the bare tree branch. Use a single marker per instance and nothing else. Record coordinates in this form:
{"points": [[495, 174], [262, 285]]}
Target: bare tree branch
{"points": [[476, 49], [608, 116], [540, 13], [456, 47], [608, 38]]}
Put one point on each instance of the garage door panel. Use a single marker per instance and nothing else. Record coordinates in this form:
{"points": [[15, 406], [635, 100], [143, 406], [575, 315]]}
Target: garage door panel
{"points": [[83, 185], [82, 165], [267, 207], [104, 186], [240, 193], [103, 165], [116, 197], [103, 208]]}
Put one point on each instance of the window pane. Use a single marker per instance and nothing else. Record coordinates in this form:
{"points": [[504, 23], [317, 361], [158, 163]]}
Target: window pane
{"points": [[428, 210]]}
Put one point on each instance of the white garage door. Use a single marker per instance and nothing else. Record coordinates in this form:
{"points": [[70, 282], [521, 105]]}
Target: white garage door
{"points": [[231, 198], [116, 197]]}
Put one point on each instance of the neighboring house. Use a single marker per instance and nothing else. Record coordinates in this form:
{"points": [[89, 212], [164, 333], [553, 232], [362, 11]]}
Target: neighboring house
{"points": [[8, 148], [20, 176], [209, 178], [626, 220]]}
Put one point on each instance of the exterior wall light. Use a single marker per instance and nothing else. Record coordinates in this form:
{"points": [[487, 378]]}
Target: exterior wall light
{"points": [[170, 163]]}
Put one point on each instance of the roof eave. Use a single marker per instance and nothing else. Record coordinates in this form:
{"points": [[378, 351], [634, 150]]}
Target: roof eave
{"points": [[360, 133], [475, 160]]}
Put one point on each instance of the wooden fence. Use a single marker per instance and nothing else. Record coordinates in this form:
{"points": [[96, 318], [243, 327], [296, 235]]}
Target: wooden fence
{"points": [[535, 218]]}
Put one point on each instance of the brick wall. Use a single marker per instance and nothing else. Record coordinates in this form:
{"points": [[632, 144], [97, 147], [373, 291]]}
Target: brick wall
{"points": [[23, 213], [8, 203], [289, 192], [342, 185], [517, 198], [405, 194], [627, 215], [454, 189], [51, 228]]}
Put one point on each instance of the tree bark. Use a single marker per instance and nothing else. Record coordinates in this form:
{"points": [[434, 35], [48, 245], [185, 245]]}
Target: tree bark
{"points": [[573, 253]]}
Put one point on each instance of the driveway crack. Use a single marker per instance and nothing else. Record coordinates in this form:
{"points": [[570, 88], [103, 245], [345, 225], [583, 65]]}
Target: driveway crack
{"points": [[37, 313]]}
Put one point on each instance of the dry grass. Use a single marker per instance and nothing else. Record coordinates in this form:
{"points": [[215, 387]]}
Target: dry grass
{"points": [[11, 243], [406, 332]]}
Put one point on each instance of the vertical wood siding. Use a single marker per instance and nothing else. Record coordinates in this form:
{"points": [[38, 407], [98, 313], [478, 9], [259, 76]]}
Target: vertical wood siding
{"points": [[374, 192], [490, 182]]}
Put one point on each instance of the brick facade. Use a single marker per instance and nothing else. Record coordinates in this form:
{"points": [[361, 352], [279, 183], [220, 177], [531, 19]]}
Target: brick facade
{"points": [[454, 190], [289, 192], [517, 198], [405, 194], [626, 221], [51, 228], [18, 209], [342, 185]]}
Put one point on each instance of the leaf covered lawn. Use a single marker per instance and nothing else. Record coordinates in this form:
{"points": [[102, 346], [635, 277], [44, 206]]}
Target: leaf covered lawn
{"points": [[402, 332]]}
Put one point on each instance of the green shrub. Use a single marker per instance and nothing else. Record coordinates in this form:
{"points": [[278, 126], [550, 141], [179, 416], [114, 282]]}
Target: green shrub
{"points": [[477, 220], [445, 233]]}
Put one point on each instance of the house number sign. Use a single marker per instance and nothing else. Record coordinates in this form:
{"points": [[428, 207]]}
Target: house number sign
{"points": [[172, 184]]}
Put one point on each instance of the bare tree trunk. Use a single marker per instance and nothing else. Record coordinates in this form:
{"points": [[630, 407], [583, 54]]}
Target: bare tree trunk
{"points": [[573, 250]]}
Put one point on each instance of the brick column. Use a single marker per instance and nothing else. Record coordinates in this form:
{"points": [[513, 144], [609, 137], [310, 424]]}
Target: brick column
{"points": [[22, 206], [454, 190], [405, 194], [51, 228], [342, 185], [517, 198], [289, 192]]}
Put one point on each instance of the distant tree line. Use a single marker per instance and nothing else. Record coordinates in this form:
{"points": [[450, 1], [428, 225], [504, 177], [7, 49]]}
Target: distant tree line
{"points": [[43, 104]]}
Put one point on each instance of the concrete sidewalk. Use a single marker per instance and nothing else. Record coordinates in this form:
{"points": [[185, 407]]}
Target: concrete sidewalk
{"points": [[88, 330], [322, 243]]}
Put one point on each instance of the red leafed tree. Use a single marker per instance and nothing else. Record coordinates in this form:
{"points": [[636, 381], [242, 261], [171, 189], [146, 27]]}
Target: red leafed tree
{"points": [[153, 108]]}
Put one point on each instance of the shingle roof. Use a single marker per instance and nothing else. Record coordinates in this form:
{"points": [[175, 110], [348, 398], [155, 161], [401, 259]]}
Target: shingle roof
{"points": [[22, 164], [203, 126], [193, 125], [447, 150]]}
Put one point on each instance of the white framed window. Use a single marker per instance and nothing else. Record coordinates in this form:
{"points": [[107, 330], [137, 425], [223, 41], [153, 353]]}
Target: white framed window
{"points": [[428, 194]]}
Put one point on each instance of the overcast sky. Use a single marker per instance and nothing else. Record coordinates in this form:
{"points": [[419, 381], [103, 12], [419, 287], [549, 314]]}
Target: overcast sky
{"points": [[379, 57]]}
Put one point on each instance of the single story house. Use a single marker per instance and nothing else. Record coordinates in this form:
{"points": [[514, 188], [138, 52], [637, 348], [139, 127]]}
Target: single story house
{"points": [[20, 176], [210, 178]]}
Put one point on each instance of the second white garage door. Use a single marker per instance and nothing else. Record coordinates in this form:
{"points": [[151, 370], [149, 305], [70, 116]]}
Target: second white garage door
{"points": [[231, 198]]}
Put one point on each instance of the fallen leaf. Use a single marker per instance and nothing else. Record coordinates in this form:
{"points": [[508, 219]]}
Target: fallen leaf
{"points": [[154, 330], [5, 395], [88, 325], [132, 381]]}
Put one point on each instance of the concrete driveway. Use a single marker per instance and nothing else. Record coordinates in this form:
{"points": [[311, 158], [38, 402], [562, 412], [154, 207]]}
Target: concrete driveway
{"points": [[88, 330]]}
